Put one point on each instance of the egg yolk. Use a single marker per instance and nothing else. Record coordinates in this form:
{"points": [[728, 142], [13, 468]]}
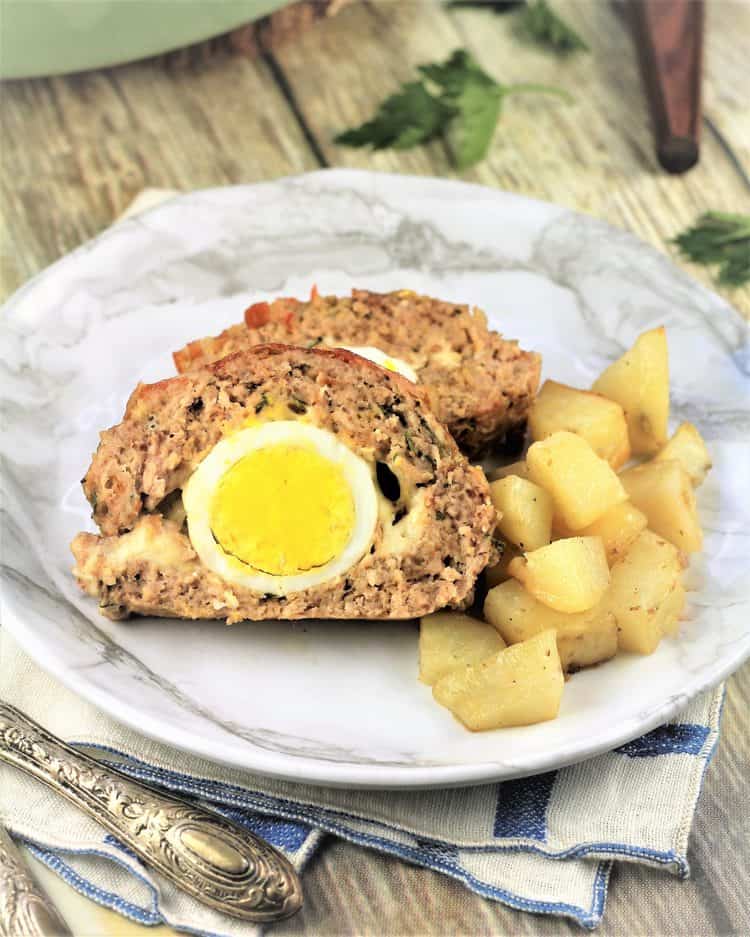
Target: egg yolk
{"points": [[283, 510]]}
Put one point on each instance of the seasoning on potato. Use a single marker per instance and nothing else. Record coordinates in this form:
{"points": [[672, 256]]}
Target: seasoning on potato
{"points": [[516, 687], [450, 640], [639, 382], [688, 448], [569, 575], [583, 639], [592, 561], [600, 421], [583, 486]]}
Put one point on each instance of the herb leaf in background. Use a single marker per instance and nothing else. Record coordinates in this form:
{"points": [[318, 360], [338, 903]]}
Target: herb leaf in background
{"points": [[474, 99], [455, 98], [539, 22], [497, 6], [470, 133], [453, 74], [405, 119], [720, 238]]}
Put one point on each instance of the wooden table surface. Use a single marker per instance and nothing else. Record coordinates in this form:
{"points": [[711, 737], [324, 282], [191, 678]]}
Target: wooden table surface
{"points": [[77, 149]]}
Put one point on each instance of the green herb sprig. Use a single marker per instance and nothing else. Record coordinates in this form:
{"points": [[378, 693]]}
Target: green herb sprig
{"points": [[539, 23], [720, 238], [405, 119], [536, 22], [455, 99]]}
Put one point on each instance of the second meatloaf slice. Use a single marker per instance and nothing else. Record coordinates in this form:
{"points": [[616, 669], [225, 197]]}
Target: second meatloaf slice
{"points": [[479, 384]]}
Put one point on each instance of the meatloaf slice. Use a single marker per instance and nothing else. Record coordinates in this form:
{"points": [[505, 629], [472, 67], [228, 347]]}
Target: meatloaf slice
{"points": [[435, 521], [479, 384]]}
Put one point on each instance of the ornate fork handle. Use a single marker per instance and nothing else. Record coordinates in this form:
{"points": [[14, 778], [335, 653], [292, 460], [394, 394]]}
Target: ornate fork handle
{"points": [[25, 908], [219, 864]]}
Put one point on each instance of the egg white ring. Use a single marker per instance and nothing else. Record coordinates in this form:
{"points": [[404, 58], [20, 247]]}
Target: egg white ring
{"points": [[378, 356], [230, 450]]}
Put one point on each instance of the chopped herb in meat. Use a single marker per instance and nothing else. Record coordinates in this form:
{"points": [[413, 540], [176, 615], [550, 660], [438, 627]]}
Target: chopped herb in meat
{"points": [[196, 406], [297, 405]]}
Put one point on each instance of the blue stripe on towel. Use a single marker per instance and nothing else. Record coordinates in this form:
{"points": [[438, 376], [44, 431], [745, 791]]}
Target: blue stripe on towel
{"points": [[680, 738], [521, 809], [101, 896], [289, 835]]}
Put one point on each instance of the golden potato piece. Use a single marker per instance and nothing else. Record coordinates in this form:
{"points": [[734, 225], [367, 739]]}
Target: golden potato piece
{"points": [[674, 606], [639, 382], [568, 575], [662, 490], [582, 485], [515, 468], [600, 421], [618, 528], [515, 687], [582, 640], [525, 511], [687, 447], [646, 595], [448, 640], [498, 573]]}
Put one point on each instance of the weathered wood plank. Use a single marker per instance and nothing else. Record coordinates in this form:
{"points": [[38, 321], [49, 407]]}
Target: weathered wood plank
{"points": [[725, 88], [596, 155], [77, 149]]}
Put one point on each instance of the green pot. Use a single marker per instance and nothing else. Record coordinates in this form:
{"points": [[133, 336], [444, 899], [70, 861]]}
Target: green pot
{"points": [[51, 37]]}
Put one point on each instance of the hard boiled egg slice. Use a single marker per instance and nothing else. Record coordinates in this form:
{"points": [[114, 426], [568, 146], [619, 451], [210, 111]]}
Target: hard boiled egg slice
{"points": [[281, 507], [385, 361]]}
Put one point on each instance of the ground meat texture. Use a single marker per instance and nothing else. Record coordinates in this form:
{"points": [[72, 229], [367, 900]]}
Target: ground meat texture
{"points": [[433, 539], [478, 383]]}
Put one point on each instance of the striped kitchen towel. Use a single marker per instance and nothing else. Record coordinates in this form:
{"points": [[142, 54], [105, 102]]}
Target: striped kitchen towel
{"points": [[543, 844]]}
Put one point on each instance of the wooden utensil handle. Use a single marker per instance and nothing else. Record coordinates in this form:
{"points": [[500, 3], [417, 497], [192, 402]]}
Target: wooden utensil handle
{"points": [[669, 40], [216, 862]]}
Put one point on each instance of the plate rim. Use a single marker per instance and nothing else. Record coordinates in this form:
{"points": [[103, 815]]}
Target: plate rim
{"points": [[317, 771]]}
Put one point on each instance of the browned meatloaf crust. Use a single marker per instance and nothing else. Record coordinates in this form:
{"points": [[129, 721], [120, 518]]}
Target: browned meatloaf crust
{"points": [[479, 384], [433, 537]]}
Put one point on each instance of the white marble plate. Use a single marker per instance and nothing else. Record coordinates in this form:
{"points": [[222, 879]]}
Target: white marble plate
{"points": [[339, 703]]}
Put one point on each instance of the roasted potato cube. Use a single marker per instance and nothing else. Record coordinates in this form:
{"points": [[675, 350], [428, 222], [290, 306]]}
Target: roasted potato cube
{"points": [[516, 687], [618, 528], [494, 575], [687, 448], [600, 421], [639, 382], [515, 468], [568, 575], [672, 609], [448, 640], [662, 490], [582, 485], [642, 594], [582, 640], [525, 511]]}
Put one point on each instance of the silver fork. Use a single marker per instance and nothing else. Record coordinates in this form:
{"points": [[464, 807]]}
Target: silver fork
{"points": [[25, 908], [219, 864]]}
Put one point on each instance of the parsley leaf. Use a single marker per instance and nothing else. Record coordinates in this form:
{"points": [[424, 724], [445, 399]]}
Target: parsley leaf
{"points": [[455, 98], [497, 6], [539, 22], [720, 238], [452, 74], [405, 119], [474, 99], [470, 133]]}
